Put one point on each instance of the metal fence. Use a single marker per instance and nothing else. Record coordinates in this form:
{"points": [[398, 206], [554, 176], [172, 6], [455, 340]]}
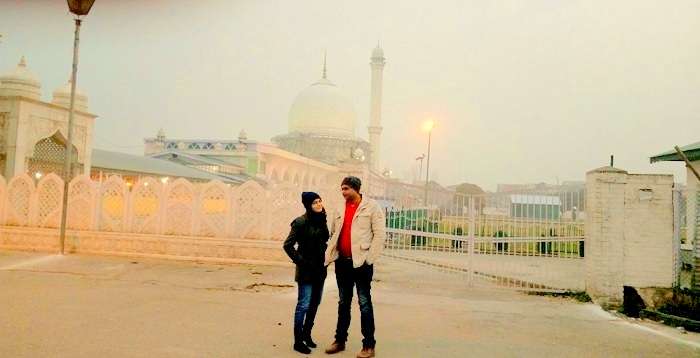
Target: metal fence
{"points": [[684, 244], [527, 240], [695, 249]]}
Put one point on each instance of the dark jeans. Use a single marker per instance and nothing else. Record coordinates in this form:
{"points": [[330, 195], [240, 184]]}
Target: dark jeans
{"points": [[347, 276], [307, 305]]}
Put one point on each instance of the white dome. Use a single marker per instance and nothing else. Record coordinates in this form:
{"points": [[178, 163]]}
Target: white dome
{"points": [[61, 97], [322, 109], [20, 82]]}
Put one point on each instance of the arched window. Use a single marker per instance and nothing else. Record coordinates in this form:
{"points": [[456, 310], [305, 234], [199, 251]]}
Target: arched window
{"points": [[49, 155]]}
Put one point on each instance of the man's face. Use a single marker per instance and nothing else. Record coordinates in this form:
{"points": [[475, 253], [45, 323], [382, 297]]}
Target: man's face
{"points": [[348, 192]]}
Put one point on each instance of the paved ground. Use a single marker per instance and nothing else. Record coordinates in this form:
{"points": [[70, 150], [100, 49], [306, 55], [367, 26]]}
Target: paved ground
{"points": [[79, 306]]}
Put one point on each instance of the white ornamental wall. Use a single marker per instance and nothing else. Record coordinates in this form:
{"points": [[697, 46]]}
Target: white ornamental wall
{"points": [[178, 208]]}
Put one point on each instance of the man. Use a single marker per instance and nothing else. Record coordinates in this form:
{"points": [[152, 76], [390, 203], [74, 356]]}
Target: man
{"points": [[357, 240]]}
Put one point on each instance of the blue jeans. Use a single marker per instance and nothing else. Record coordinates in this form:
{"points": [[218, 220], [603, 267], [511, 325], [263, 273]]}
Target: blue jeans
{"points": [[307, 305], [349, 277]]}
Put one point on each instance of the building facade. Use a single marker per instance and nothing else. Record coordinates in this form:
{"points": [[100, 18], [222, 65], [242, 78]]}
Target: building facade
{"points": [[33, 132]]}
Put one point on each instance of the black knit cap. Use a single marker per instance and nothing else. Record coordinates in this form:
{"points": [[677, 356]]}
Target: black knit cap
{"points": [[353, 182], [307, 198]]}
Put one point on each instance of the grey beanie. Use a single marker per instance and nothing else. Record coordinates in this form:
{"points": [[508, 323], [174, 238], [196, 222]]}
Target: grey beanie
{"points": [[353, 182]]}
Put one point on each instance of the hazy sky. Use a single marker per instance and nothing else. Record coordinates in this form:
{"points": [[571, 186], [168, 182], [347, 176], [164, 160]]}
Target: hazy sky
{"points": [[523, 91]]}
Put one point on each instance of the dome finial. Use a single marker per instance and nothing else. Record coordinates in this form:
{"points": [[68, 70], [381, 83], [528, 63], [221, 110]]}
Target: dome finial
{"points": [[377, 54], [22, 62], [324, 64]]}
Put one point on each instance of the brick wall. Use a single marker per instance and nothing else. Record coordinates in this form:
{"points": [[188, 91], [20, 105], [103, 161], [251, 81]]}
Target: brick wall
{"points": [[629, 233]]}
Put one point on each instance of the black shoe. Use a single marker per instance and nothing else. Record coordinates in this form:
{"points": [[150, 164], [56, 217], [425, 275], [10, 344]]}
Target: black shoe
{"points": [[302, 348], [310, 342]]}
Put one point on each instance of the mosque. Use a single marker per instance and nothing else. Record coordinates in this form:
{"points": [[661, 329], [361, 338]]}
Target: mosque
{"points": [[320, 147]]}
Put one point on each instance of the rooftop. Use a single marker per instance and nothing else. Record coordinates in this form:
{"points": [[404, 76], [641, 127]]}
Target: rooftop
{"points": [[140, 164], [692, 151]]}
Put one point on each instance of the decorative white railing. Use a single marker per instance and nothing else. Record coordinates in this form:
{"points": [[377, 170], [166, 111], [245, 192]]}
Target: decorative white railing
{"points": [[177, 208]]}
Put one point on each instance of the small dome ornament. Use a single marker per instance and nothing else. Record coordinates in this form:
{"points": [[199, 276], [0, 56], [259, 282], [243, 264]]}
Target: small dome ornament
{"points": [[20, 82], [358, 154], [61, 97]]}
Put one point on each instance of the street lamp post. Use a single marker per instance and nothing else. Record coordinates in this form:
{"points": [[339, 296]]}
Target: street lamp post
{"points": [[79, 8], [428, 127], [420, 167]]}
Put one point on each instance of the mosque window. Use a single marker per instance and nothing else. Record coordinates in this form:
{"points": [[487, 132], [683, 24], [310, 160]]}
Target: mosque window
{"points": [[194, 146], [208, 146], [230, 146], [171, 145]]}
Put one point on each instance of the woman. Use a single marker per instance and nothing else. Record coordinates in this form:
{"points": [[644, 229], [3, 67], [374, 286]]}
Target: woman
{"points": [[309, 233]]}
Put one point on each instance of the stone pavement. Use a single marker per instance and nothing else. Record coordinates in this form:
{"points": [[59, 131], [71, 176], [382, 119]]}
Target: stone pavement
{"points": [[88, 306]]}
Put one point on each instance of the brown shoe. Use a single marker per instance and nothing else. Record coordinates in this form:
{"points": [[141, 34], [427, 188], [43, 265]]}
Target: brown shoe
{"points": [[335, 347], [366, 353]]}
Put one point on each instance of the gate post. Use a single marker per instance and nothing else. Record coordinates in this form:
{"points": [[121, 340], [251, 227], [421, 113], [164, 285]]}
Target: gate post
{"points": [[629, 233], [470, 243], [605, 232]]}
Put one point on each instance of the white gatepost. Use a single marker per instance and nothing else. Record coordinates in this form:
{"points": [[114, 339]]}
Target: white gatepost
{"points": [[629, 233], [471, 237]]}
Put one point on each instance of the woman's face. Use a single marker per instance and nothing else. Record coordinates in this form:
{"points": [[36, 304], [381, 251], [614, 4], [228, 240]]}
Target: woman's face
{"points": [[317, 205]]}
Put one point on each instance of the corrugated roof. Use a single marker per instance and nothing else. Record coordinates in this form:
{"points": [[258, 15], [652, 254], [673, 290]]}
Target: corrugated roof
{"points": [[535, 199], [214, 160], [140, 164], [692, 151]]}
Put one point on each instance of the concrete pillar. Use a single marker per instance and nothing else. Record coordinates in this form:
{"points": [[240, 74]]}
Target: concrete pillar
{"points": [[629, 233], [605, 227]]}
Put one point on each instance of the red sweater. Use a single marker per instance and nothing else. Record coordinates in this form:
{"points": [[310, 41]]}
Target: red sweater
{"points": [[345, 239]]}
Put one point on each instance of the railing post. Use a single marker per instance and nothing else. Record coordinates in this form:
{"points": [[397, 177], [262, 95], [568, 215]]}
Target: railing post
{"points": [[97, 206], [470, 244]]}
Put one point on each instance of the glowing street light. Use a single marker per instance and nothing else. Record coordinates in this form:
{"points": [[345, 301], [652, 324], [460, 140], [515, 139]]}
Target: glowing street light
{"points": [[80, 7]]}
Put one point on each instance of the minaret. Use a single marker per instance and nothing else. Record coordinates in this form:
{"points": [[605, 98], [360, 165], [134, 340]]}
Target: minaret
{"points": [[375, 106]]}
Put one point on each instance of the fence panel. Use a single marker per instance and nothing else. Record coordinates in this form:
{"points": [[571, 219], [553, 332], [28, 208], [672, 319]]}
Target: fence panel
{"points": [[524, 240]]}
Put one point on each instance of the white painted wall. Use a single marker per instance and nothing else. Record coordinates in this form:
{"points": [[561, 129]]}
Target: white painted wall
{"points": [[629, 233]]}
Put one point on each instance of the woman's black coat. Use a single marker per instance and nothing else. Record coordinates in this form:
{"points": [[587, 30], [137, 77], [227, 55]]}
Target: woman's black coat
{"points": [[310, 236]]}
